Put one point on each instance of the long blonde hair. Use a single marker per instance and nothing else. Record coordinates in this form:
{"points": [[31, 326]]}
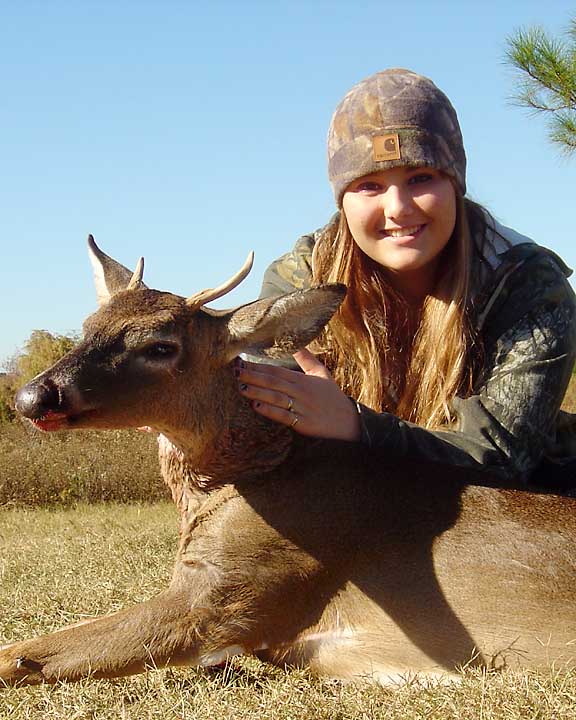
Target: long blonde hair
{"points": [[384, 352]]}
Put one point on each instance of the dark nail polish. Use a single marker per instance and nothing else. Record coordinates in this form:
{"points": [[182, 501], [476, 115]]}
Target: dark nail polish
{"points": [[243, 387]]}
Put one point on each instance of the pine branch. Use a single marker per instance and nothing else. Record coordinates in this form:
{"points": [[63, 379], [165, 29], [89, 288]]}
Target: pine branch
{"points": [[547, 84], [563, 132]]}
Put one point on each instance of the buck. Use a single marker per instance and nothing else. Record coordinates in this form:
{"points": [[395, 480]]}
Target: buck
{"points": [[319, 553]]}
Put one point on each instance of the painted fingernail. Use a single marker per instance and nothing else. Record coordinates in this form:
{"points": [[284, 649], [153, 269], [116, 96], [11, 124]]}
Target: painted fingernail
{"points": [[257, 404], [243, 387]]}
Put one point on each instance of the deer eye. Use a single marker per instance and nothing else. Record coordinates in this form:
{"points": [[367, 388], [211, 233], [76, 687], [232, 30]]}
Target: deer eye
{"points": [[160, 351]]}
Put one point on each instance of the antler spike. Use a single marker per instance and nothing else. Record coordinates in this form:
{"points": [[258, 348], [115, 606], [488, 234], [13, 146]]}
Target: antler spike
{"points": [[205, 296], [136, 278]]}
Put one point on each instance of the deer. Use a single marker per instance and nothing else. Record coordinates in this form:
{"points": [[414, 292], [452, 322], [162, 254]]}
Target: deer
{"points": [[302, 551]]}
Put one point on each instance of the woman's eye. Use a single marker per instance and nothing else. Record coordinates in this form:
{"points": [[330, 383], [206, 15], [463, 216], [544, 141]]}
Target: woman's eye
{"points": [[368, 187], [160, 351], [421, 178]]}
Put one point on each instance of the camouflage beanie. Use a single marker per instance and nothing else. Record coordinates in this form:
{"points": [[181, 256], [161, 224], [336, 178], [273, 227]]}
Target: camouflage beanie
{"points": [[394, 118]]}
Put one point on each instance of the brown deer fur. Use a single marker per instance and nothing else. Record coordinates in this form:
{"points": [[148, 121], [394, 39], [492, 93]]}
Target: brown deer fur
{"points": [[359, 565]]}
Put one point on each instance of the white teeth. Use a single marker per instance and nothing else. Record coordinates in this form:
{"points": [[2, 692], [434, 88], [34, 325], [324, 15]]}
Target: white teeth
{"points": [[403, 232]]}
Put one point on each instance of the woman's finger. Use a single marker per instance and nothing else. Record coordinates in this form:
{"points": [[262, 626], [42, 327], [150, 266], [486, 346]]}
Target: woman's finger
{"points": [[286, 417], [273, 371], [268, 376], [264, 394], [310, 364]]}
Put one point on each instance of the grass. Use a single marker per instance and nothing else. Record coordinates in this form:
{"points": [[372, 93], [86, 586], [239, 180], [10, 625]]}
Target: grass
{"points": [[41, 469], [59, 566]]}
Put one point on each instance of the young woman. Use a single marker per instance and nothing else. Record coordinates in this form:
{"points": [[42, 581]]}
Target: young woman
{"points": [[457, 337]]}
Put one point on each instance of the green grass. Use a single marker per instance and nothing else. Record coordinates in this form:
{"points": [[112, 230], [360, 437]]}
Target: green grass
{"points": [[60, 566]]}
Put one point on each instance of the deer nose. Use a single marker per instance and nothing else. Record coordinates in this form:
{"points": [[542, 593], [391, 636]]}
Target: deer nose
{"points": [[37, 399]]}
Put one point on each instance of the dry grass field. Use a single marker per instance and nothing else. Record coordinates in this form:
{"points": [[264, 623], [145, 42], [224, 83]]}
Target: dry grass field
{"points": [[39, 469], [61, 566]]}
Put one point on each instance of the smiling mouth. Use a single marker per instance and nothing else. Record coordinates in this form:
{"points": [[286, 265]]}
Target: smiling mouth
{"points": [[405, 232]]}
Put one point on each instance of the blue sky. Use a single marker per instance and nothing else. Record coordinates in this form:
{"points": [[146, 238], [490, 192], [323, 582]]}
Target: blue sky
{"points": [[192, 132]]}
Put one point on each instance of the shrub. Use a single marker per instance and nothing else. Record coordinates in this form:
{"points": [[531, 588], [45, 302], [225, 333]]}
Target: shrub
{"points": [[42, 350], [67, 467], [7, 390]]}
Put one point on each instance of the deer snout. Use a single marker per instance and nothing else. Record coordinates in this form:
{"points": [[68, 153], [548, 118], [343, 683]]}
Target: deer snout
{"points": [[38, 399]]}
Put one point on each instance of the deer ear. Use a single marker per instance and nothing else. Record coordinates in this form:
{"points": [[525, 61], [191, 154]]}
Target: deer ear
{"points": [[109, 276], [278, 327]]}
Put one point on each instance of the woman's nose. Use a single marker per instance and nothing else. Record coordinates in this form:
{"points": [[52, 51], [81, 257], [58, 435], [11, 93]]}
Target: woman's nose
{"points": [[397, 202]]}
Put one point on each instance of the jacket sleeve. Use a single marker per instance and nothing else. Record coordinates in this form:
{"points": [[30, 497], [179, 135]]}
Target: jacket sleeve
{"points": [[292, 271], [509, 421]]}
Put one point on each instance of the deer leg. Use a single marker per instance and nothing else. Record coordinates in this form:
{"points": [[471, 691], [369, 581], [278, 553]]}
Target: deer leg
{"points": [[167, 630]]}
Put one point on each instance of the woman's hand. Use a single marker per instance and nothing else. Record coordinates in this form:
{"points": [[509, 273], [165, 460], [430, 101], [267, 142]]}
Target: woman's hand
{"points": [[311, 402]]}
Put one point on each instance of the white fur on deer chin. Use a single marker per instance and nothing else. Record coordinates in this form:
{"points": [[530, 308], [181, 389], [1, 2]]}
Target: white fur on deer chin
{"points": [[166, 446]]}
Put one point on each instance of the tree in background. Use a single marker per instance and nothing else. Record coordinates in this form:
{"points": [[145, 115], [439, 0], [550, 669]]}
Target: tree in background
{"points": [[41, 350], [548, 79], [7, 391]]}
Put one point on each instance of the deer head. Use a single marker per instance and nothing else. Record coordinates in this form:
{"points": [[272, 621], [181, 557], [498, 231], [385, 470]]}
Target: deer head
{"points": [[154, 358]]}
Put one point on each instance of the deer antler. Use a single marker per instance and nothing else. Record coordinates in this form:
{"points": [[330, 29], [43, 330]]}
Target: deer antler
{"points": [[136, 278], [205, 296]]}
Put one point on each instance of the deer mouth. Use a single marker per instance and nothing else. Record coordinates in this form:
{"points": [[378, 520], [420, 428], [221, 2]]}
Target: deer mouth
{"points": [[51, 421]]}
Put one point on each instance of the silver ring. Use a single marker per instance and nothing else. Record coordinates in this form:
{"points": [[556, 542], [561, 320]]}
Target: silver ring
{"points": [[296, 418], [290, 404]]}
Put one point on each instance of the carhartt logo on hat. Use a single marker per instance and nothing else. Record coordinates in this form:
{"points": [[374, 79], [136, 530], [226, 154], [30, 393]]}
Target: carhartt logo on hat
{"points": [[386, 147]]}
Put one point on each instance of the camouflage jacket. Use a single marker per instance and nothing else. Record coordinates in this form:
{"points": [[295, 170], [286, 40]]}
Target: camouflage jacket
{"points": [[525, 312]]}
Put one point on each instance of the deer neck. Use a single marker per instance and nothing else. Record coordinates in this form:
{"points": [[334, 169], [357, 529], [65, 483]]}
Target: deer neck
{"points": [[235, 445]]}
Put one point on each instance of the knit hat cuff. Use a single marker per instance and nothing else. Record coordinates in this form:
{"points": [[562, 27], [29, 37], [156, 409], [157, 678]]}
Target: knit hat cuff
{"points": [[414, 147]]}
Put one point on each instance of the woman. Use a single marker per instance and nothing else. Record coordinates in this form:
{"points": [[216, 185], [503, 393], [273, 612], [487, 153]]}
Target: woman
{"points": [[457, 337]]}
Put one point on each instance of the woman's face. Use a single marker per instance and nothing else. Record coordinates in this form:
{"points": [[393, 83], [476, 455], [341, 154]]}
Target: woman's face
{"points": [[402, 218]]}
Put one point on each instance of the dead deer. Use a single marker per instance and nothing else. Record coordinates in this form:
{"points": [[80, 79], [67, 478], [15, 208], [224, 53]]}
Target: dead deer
{"points": [[304, 551]]}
